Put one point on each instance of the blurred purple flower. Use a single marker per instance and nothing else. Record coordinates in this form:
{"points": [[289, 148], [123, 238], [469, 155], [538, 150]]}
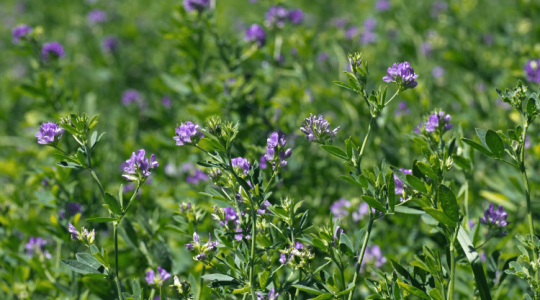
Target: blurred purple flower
{"points": [[340, 208], [495, 219], [368, 37], [532, 70], [72, 209], [438, 7], [255, 33], [197, 177], [437, 72], [504, 105], [398, 189], [52, 50], [527, 142], [373, 255], [296, 16], [196, 5], [322, 57], [402, 109], [96, 16], [362, 211], [369, 24], [426, 48], [262, 163], [109, 44], [131, 96], [488, 39], [276, 16], [166, 101], [352, 32], [438, 121], [37, 245], [158, 277], [241, 163], [382, 5], [20, 32]]}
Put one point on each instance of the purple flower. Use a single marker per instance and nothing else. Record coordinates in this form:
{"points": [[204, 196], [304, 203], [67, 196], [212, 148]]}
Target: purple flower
{"points": [[272, 295], [196, 5], [20, 32], [340, 208], [471, 224], [362, 211], [262, 208], [402, 74], [241, 164], [52, 50], [37, 245], [437, 72], [339, 22], [276, 16], [73, 208], [188, 134], [166, 101], [138, 167], [426, 48], [230, 215], [527, 143], [262, 163], [352, 32], [296, 16], [317, 129], [532, 70], [368, 37], [255, 33], [96, 16], [84, 235], [157, 278], [382, 5], [49, 133], [402, 109], [398, 189], [437, 7], [109, 44], [283, 259], [131, 96], [322, 57], [369, 24], [197, 177], [275, 151], [438, 121], [373, 255], [495, 219]]}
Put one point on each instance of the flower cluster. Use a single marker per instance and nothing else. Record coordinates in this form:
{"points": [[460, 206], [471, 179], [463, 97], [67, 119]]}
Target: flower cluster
{"points": [[255, 33], [109, 44], [96, 16], [225, 215], [240, 234], [317, 130], [263, 207], [340, 208], [36, 245], [196, 5], [298, 256], [373, 255], [240, 165], [399, 189], [276, 153], [403, 75], [368, 36], [182, 287], [532, 71], [203, 251], [382, 5], [402, 109], [495, 219], [278, 15], [138, 167], [438, 121], [272, 295], [83, 235], [188, 134], [72, 208], [20, 32], [52, 50], [158, 277], [361, 212], [132, 96], [49, 134]]}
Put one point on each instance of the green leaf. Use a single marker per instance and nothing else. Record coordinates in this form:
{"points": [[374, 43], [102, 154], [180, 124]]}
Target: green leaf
{"points": [[79, 267], [416, 183], [351, 180], [495, 143], [101, 219], [448, 202], [68, 164], [476, 264], [462, 162], [319, 244], [348, 290], [531, 107], [427, 170], [374, 203], [88, 259], [439, 216], [263, 279], [308, 289], [218, 277], [415, 291], [391, 185], [344, 240], [478, 147], [323, 297], [93, 142], [114, 206], [335, 151], [435, 294], [481, 133], [343, 84]]}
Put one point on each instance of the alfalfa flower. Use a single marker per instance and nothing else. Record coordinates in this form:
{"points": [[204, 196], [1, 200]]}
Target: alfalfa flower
{"points": [[276, 153], [255, 33], [96, 16], [272, 295], [403, 75], [188, 134], [495, 220], [340, 208], [52, 50], [532, 71], [196, 5], [138, 167], [36, 246], [438, 121], [240, 166], [158, 277], [20, 32], [317, 130], [203, 250], [49, 134], [373, 256], [83, 235]]}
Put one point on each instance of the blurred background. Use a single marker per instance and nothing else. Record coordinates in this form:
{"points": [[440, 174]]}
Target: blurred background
{"points": [[147, 66]]}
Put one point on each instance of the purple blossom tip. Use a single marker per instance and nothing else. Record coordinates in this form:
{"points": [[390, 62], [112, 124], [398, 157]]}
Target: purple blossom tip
{"points": [[402, 74], [20, 32], [52, 50], [49, 133]]}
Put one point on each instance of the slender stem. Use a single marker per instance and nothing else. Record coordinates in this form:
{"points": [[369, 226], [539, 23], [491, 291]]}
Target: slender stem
{"points": [[201, 283], [362, 252], [359, 160], [297, 290], [341, 271], [161, 292], [131, 199], [245, 296], [118, 286], [98, 183], [467, 199], [397, 92], [452, 275], [252, 258]]}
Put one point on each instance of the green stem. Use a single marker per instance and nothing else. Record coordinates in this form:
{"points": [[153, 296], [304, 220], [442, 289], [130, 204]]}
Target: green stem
{"points": [[341, 271], [452, 275], [359, 160], [98, 183], [201, 283], [362, 252], [252, 255], [397, 92], [118, 286], [161, 292], [297, 290], [131, 200]]}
